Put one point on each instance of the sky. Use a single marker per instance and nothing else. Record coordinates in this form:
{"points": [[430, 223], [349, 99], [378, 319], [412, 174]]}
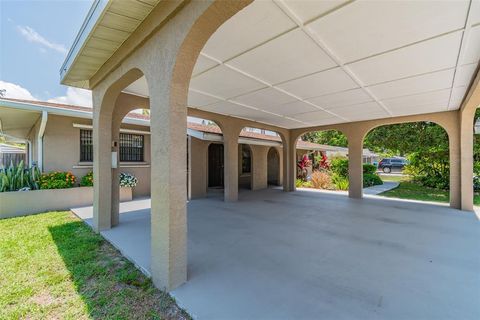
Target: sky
{"points": [[35, 37]]}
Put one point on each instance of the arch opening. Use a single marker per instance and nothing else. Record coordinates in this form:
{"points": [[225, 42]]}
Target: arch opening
{"points": [[412, 160], [322, 160], [273, 167]]}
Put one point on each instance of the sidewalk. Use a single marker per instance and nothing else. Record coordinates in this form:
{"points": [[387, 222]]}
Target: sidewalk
{"points": [[386, 186]]}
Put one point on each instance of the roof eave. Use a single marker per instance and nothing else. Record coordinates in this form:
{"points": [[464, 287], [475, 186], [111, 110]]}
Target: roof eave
{"points": [[93, 17]]}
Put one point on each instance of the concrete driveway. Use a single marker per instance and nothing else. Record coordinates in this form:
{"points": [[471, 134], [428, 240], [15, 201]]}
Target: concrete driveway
{"points": [[310, 255]]}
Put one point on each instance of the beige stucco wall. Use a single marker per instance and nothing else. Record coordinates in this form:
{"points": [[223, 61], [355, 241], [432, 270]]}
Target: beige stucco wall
{"points": [[257, 179], [259, 167], [61, 145], [199, 168]]}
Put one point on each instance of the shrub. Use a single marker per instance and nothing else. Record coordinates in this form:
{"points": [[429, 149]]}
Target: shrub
{"points": [[476, 183], [339, 167], [57, 180], [87, 180], [321, 180], [430, 168], [298, 183], [307, 184], [19, 177], [369, 168], [341, 183], [128, 180], [371, 179]]}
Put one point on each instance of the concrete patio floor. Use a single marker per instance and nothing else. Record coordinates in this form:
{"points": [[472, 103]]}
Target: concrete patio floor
{"points": [[311, 255]]}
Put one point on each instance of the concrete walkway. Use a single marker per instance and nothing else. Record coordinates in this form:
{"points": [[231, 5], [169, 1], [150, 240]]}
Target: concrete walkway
{"points": [[310, 255], [386, 186]]}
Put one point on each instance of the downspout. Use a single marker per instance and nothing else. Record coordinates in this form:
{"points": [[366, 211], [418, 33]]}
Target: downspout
{"points": [[41, 132], [29, 143]]}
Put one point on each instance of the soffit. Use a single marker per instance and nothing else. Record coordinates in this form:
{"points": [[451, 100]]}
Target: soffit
{"points": [[108, 24]]}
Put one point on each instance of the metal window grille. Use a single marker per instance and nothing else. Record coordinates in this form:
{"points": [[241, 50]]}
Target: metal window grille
{"points": [[86, 145], [131, 147]]}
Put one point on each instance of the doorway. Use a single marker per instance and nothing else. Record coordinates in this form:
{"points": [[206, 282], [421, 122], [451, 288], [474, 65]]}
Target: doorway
{"points": [[215, 165]]}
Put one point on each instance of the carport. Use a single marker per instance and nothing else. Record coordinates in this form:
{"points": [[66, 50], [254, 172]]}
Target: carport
{"points": [[276, 255], [289, 67]]}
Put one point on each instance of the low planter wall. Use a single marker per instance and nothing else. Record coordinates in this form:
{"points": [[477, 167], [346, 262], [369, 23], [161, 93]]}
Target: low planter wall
{"points": [[22, 203]]}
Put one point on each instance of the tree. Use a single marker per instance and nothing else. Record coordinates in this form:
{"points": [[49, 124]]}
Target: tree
{"points": [[406, 138], [329, 137]]}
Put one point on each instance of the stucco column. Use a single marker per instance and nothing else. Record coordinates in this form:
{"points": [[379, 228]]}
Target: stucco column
{"points": [[102, 165], [168, 193], [455, 164], [289, 163], [355, 166], [466, 158], [259, 167], [280, 166], [230, 147]]}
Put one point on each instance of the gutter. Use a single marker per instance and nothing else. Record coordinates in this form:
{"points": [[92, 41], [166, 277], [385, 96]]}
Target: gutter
{"points": [[63, 112]]}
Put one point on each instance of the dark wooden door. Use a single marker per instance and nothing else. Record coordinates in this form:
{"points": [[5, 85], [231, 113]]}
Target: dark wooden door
{"points": [[215, 165]]}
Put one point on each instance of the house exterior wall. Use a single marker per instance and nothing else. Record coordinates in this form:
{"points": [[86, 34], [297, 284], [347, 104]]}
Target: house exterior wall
{"points": [[61, 145], [199, 168]]}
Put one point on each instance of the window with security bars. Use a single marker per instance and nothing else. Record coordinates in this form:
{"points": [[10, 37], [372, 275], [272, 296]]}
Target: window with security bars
{"points": [[131, 147], [86, 145]]}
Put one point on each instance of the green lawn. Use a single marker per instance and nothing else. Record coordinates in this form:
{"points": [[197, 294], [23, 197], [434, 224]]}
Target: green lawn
{"points": [[413, 191], [52, 266], [394, 178]]}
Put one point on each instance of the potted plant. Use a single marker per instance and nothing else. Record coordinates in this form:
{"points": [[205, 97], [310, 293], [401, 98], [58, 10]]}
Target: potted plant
{"points": [[128, 180]]}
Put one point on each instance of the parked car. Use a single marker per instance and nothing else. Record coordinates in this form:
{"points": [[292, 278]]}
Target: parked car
{"points": [[389, 164]]}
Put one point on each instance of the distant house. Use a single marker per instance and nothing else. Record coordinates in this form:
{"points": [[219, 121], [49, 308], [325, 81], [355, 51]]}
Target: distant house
{"points": [[59, 138]]}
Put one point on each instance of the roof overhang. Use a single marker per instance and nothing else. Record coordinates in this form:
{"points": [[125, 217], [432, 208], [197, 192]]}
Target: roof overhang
{"points": [[18, 118], [108, 24]]}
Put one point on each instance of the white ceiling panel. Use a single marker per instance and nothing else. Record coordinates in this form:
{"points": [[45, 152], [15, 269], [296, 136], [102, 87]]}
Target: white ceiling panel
{"points": [[289, 109], [472, 50], [224, 82], [421, 58], [330, 81], [457, 97], [362, 108], [265, 98], [369, 116], [285, 122], [255, 24], [343, 98], [372, 27], [197, 99], [307, 10], [426, 108], [464, 74], [138, 87], [414, 85], [475, 12], [318, 116], [430, 99], [203, 63], [236, 110], [289, 56]]}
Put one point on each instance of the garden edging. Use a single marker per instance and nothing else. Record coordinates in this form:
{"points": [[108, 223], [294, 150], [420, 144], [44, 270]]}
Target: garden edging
{"points": [[22, 203]]}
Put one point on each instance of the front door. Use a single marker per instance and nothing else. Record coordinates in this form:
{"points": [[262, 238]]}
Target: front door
{"points": [[215, 165]]}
